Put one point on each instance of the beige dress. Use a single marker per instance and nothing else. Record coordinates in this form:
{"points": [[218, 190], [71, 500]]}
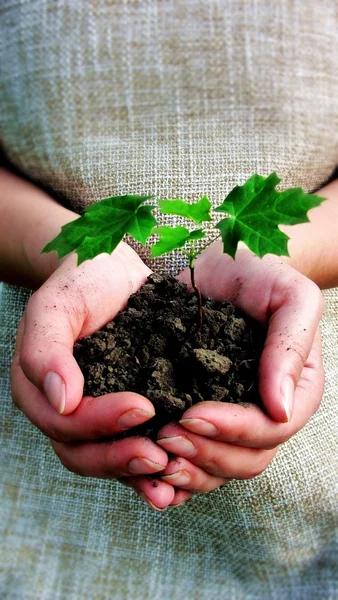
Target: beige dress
{"points": [[177, 98]]}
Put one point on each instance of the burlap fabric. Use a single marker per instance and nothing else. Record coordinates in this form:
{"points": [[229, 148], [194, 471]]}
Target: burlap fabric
{"points": [[176, 98]]}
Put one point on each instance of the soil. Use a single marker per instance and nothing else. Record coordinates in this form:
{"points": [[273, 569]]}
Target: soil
{"points": [[154, 347]]}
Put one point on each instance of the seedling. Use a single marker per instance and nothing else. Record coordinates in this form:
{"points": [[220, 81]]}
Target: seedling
{"points": [[252, 213]]}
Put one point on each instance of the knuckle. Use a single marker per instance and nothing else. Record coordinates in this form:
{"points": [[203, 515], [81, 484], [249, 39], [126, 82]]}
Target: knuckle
{"points": [[240, 432], [15, 399], [254, 472], [280, 438], [16, 392], [18, 338], [213, 466], [258, 466], [112, 461], [69, 465], [211, 485], [26, 359], [34, 303], [297, 354], [63, 454], [51, 431], [316, 294]]}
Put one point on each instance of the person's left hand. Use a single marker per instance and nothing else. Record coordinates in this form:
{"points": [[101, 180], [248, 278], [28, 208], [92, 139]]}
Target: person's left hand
{"points": [[216, 442]]}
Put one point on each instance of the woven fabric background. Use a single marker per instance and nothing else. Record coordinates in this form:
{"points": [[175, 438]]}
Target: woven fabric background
{"points": [[176, 98]]}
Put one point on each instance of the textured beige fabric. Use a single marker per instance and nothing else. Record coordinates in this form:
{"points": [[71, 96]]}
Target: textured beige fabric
{"points": [[176, 98]]}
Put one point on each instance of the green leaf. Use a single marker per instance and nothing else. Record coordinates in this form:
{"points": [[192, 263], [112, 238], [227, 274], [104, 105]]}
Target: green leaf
{"points": [[91, 247], [196, 234], [172, 238], [128, 203], [68, 239], [142, 224], [256, 209], [103, 225], [197, 212]]}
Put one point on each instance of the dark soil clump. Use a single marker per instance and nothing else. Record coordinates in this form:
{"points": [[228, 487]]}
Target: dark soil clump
{"points": [[153, 347]]}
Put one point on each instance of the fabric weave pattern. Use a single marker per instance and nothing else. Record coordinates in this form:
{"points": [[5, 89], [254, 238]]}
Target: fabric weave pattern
{"points": [[177, 98]]}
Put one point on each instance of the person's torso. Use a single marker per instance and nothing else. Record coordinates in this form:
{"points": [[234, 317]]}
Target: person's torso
{"points": [[177, 98]]}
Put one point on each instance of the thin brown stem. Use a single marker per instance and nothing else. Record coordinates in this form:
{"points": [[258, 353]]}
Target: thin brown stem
{"points": [[198, 296]]}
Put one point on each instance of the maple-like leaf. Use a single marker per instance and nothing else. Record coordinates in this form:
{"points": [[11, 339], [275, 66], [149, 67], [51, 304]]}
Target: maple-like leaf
{"points": [[255, 210], [172, 238], [103, 225], [196, 211]]}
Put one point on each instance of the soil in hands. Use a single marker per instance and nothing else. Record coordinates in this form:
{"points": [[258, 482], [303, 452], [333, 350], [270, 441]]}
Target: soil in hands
{"points": [[154, 347]]}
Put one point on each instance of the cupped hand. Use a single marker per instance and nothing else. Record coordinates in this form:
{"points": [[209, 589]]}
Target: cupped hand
{"points": [[47, 384], [216, 442]]}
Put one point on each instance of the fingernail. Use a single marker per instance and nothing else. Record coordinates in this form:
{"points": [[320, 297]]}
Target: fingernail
{"points": [[287, 393], [178, 504], [133, 417], [150, 504], [178, 445], [200, 426], [143, 466], [55, 390], [180, 478]]}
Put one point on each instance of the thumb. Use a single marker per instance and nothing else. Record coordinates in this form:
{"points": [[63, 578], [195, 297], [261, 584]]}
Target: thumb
{"points": [[50, 328], [292, 330], [68, 305]]}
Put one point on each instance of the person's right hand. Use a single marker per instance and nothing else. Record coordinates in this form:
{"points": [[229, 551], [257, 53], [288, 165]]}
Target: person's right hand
{"points": [[47, 384]]}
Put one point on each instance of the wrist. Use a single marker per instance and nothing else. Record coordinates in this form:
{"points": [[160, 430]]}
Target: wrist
{"points": [[29, 219], [312, 255], [313, 246], [42, 266]]}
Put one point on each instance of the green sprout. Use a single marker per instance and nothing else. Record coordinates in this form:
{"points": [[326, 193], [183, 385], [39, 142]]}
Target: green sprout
{"points": [[252, 213]]}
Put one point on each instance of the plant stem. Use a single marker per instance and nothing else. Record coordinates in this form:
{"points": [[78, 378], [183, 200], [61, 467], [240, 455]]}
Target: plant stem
{"points": [[192, 254], [197, 294]]}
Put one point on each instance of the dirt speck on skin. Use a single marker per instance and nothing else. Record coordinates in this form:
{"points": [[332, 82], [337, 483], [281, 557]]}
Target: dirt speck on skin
{"points": [[237, 286], [153, 347]]}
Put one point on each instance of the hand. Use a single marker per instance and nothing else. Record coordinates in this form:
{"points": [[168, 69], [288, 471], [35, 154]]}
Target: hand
{"points": [[216, 442], [47, 384]]}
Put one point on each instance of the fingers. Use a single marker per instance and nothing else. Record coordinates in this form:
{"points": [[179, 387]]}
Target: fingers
{"points": [[94, 418], [107, 460], [131, 461], [45, 351], [248, 425], [181, 496], [216, 458], [158, 494], [185, 475]]}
